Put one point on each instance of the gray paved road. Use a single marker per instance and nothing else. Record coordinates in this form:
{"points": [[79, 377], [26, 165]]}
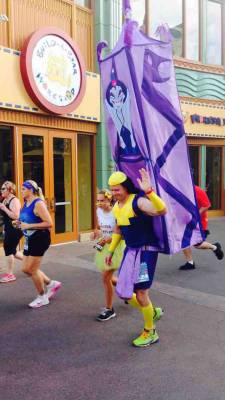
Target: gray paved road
{"points": [[60, 352]]}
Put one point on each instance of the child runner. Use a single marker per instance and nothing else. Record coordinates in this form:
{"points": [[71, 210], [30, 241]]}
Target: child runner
{"points": [[106, 223]]}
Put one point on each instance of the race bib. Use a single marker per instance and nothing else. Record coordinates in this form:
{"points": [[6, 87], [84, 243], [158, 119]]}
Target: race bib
{"points": [[26, 243], [143, 274]]}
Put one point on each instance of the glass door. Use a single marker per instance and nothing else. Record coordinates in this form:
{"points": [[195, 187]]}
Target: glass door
{"points": [[6, 163], [33, 158], [214, 175], [62, 185], [195, 163], [48, 158]]}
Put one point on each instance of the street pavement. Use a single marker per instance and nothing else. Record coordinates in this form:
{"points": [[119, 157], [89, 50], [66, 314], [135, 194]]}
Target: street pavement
{"points": [[60, 352]]}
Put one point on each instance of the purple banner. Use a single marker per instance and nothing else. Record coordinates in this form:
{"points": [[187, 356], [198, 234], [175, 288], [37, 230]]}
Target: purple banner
{"points": [[145, 129]]}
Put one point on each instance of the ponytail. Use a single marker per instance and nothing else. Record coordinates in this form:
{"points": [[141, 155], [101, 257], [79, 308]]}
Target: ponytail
{"points": [[40, 193]]}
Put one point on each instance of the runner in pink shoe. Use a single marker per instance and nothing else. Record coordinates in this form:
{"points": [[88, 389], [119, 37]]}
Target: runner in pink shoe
{"points": [[10, 209], [35, 223]]}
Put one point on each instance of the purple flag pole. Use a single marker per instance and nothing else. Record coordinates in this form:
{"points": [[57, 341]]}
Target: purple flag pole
{"points": [[127, 9]]}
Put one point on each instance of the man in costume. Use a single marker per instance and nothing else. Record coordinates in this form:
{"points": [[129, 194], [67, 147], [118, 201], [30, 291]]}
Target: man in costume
{"points": [[204, 204], [134, 212]]}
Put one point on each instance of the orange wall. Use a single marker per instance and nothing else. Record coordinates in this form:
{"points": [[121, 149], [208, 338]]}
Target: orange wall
{"points": [[26, 16]]}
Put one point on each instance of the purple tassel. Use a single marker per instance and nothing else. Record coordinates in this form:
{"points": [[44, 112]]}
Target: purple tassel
{"points": [[163, 32], [100, 47]]}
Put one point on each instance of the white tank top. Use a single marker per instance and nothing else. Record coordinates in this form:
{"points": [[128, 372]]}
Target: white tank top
{"points": [[106, 222]]}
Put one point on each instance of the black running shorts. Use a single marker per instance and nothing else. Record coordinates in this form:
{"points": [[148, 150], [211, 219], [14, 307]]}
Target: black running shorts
{"points": [[11, 241], [37, 244]]}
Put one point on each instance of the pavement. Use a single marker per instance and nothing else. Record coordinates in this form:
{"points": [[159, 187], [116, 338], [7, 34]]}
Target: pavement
{"points": [[60, 352]]}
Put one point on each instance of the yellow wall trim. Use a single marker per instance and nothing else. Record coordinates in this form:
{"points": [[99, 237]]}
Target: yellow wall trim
{"points": [[203, 108], [197, 66], [12, 117], [215, 213], [203, 102], [14, 96]]}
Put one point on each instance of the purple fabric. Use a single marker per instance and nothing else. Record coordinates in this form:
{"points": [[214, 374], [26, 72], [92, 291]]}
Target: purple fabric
{"points": [[126, 5], [128, 35], [100, 47], [129, 272], [164, 33], [145, 129]]}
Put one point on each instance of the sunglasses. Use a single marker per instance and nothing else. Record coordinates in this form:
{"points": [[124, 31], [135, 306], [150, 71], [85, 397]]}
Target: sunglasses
{"points": [[3, 189]]}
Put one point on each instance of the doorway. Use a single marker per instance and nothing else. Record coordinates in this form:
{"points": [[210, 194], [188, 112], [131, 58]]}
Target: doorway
{"points": [[48, 157]]}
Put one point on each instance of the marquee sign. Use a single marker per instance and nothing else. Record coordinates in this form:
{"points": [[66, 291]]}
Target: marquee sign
{"points": [[53, 71], [195, 118]]}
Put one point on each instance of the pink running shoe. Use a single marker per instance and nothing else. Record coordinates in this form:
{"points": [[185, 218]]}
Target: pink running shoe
{"points": [[52, 288], [41, 300], [7, 278]]}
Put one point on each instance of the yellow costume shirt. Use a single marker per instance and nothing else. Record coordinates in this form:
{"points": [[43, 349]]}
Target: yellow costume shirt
{"points": [[122, 214]]}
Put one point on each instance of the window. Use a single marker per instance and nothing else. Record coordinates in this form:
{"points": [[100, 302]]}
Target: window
{"points": [[192, 29], [191, 24], [83, 3], [194, 160], [213, 175], [6, 160], [138, 11], [6, 154], [85, 173], [171, 12], [214, 33]]}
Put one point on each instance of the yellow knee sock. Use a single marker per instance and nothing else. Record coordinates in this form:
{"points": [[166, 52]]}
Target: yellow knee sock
{"points": [[148, 312], [134, 303]]}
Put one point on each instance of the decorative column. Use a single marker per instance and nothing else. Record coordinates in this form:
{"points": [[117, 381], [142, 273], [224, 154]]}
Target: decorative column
{"points": [[203, 168], [108, 23]]}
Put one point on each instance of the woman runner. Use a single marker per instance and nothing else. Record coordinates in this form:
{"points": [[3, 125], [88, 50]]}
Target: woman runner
{"points": [[35, 223], [10, 208]]}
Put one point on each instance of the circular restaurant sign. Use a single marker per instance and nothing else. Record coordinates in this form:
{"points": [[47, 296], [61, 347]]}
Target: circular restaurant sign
{"points": [[53, 71]]}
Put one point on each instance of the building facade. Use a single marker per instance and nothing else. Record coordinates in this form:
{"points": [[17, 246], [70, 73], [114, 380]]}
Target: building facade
{"points": [[198, 29], [36, 141]]}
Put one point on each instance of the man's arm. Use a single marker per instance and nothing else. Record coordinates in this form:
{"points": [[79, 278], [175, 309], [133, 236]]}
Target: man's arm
{"points": [[148, 207], [153, 205], [203, 209], [116, 238]]}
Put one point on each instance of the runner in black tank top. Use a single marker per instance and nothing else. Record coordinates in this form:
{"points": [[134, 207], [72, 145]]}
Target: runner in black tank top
{"points": [[10, 208]]}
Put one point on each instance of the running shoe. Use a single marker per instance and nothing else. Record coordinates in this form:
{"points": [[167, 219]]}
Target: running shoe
{"points": [[7, 278], [41, 300], [106, 314], [218, 252], [52, 288], [187, 266], [158, 313], [146, 338]]}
